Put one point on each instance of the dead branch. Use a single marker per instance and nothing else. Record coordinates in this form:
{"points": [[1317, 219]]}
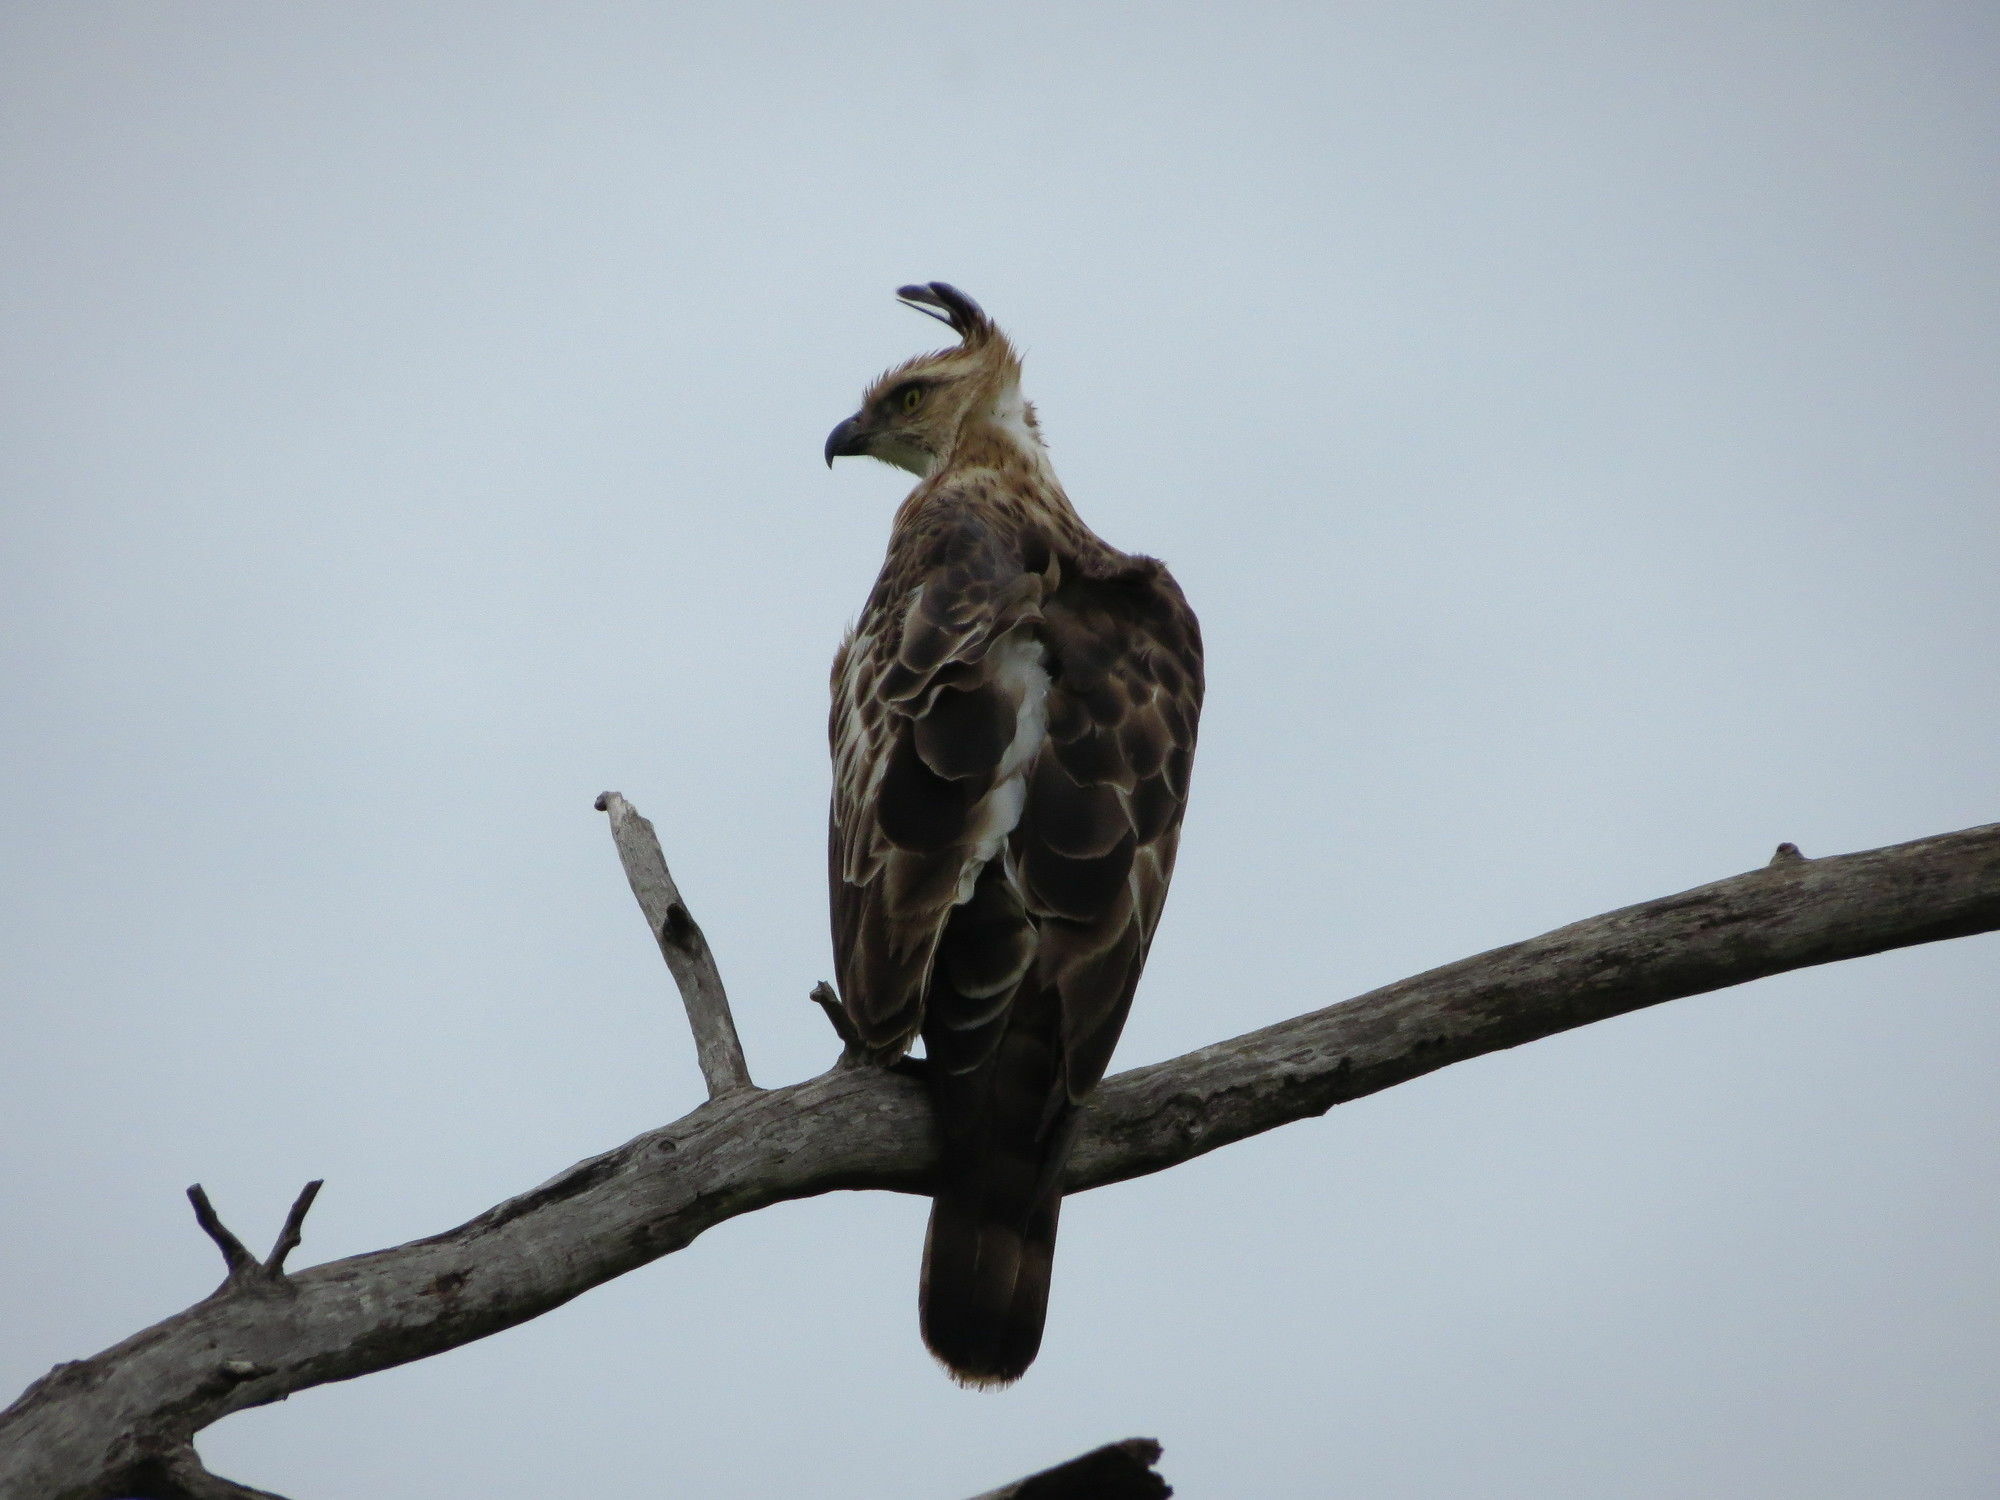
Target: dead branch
{"points": [[683, 946], [245, 1268], [180, 1475], [239, 1261], [289, 1237], [84, 1431], [1117, 1471]]}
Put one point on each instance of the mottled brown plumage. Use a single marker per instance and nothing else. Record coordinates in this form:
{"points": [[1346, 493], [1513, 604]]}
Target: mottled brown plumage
{"points": [[1013, 725]]}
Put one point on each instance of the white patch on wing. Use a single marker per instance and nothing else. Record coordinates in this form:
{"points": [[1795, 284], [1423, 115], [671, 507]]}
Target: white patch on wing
{"points": [[1020, 666]]}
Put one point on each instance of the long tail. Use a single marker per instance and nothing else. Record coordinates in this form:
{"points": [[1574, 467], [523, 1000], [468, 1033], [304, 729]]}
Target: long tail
{"points": [[1007, 1126]]}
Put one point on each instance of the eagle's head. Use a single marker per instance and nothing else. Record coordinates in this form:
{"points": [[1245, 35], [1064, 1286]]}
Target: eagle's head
{"points": [[914, 415]]}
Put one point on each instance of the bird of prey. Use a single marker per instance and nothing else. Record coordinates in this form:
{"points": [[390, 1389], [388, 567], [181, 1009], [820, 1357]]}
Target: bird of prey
{"points": [[1012, 728]]}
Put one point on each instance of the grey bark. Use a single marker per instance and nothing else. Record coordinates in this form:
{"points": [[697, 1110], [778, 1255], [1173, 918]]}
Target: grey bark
{"points": [[682, 945], [86, 1429]]}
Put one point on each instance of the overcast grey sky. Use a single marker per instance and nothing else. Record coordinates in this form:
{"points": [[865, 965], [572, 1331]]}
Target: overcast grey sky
{"points": [[1575, 424]]}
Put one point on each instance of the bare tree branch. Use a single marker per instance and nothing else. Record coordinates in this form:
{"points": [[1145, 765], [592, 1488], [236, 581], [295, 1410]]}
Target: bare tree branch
{"points": [[235, 1255], [288, 1237], [180, 1475], [81, 1431], [245, 1268], [852, 1053], [683, 946], [1117, 1471]]}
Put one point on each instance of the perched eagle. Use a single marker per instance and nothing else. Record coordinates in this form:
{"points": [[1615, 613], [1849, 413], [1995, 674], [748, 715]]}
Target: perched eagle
{"points": [[1013, 724]]}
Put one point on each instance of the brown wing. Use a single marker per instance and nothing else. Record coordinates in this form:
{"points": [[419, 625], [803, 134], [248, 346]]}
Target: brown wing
{"points": [[1095, 847], [1035, 971], [928, 695], [1013, 725]]}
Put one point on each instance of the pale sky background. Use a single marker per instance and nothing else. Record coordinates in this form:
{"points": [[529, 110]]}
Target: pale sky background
{"points": [[1575, 424]]}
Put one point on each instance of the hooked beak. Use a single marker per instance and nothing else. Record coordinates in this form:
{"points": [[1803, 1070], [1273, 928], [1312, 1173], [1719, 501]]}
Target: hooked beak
{"points": [[846, 441]]}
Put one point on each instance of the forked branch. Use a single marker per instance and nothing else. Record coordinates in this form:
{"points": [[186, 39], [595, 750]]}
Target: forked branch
{"points": [[80, 1432], [244, 1267]]}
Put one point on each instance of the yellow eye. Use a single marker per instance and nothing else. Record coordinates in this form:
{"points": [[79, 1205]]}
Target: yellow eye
{"points": [[913, 398]]}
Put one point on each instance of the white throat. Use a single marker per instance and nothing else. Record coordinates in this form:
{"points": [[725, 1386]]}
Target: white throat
{"points": [[1009, 415]]}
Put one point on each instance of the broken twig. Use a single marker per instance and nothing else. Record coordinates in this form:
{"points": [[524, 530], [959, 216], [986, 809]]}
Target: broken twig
{"points": [[686, 951]]}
